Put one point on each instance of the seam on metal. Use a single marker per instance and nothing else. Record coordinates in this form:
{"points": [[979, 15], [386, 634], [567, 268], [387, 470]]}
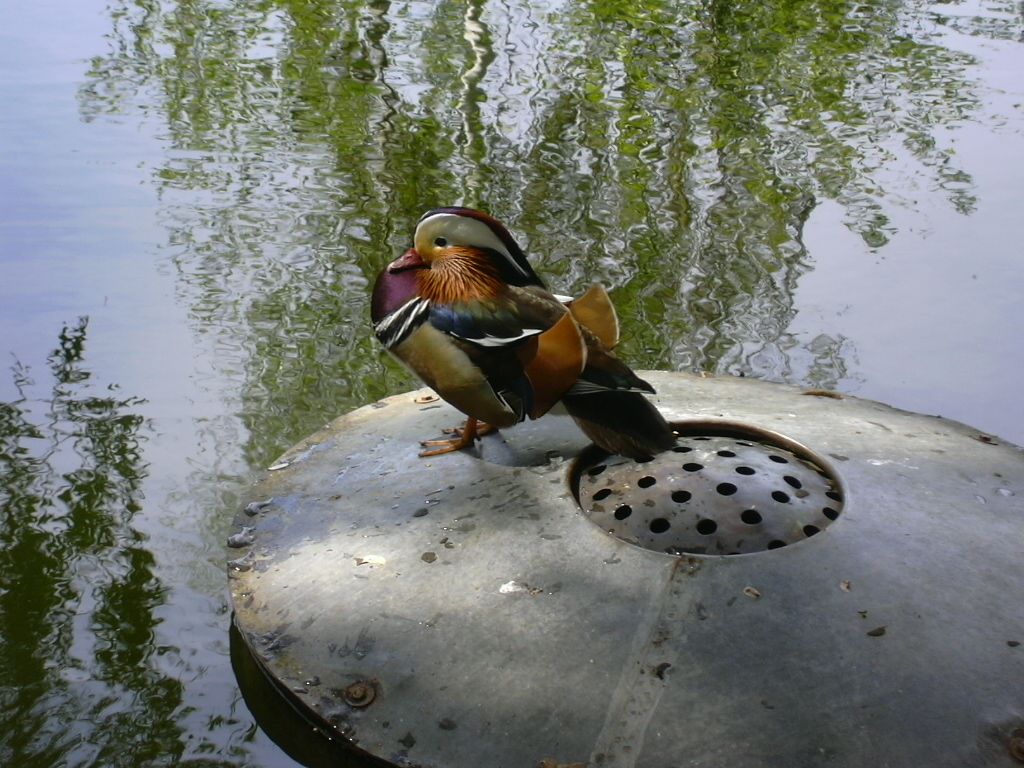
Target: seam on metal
{"points": [[653, 651]]}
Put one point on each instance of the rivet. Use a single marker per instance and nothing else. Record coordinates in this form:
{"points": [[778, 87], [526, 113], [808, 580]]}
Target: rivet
{"points": [[360, 694]]}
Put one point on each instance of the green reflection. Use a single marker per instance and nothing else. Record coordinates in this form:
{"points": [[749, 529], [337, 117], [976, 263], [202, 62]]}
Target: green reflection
{"points": [[672, 151], [78, 597]]}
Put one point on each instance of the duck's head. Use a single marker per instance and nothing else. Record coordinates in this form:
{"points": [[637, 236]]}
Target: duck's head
{"points": [[452, 233]]}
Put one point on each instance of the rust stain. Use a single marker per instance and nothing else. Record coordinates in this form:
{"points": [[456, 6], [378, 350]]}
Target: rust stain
{"points": [[1017, 748], [825, 393]]}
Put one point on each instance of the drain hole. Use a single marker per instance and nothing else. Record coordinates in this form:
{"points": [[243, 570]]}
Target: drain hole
{"points": [[659, 525], [792, 481], [646, 481], [778, 459], [750, 516], [780, 496], [595, 471], [775, 544], [623, 512], [830, 513], [693, 467], [810, 530], [745, 470], [726, 489], [706, 527], [604, 493], [682, 449], [702, 438], [680, 497], [727, 454], [833, 495]]}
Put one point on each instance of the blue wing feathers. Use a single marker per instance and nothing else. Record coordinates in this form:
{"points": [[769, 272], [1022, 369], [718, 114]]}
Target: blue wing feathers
{"points": [[480, 323], [446, 318]]}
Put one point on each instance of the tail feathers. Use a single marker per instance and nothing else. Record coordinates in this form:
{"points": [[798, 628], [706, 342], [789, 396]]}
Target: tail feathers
{"points": [[621, 422]]}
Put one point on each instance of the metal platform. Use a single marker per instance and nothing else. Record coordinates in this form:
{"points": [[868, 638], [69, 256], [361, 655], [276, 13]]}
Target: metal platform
{"points": [[468, 611]]}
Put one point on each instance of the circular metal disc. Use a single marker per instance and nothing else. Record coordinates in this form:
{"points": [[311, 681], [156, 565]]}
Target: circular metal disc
{"points": [[464, 611]]}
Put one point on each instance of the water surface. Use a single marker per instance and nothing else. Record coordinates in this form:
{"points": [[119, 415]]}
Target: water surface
{"points": [[196, 195]]}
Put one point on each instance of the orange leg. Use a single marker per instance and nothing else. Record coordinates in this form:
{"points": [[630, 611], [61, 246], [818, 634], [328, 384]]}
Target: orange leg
{"points": [[464, 438]]}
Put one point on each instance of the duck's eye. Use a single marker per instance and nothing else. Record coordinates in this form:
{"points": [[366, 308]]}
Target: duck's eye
{"points": [[440, 242]]}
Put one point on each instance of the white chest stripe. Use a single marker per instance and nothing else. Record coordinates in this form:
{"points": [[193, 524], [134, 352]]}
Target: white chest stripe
{"points": [[400, 323]]}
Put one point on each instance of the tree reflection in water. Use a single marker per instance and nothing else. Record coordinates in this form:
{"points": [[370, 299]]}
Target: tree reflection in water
{"points": [[670, 150], [78, 597], [673, 151]]}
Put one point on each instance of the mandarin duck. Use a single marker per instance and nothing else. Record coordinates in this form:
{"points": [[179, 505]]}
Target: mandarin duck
{"points": [[464, 310]]}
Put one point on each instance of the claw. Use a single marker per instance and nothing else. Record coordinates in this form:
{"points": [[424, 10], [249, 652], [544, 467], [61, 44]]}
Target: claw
{"points": [[464, 438]]}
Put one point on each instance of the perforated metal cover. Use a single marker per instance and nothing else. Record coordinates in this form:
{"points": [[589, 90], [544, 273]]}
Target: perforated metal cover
{"points": [[726, 493]]}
